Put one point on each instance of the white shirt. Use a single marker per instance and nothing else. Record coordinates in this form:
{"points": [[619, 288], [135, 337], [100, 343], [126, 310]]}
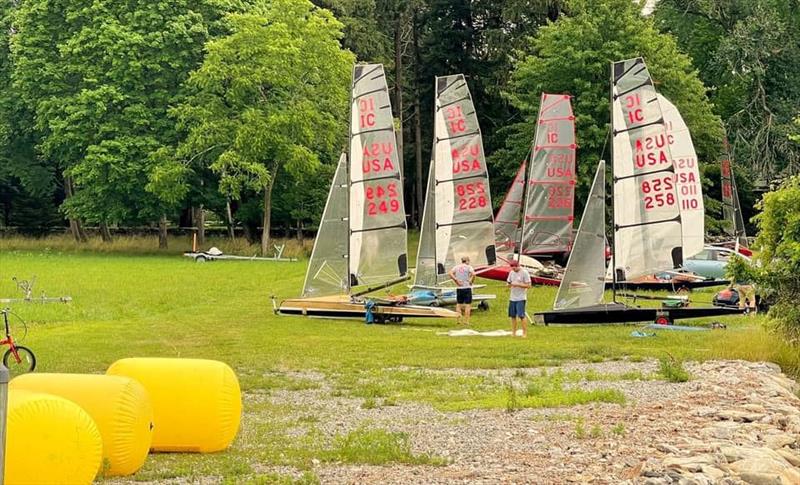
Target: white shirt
{"points": [[522, 277], [463, 273]]}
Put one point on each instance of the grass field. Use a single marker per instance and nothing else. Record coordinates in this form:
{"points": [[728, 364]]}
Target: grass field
{"points": [[151, 305]]}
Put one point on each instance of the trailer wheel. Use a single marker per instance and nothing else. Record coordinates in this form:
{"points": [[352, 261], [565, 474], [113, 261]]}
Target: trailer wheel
{"points": [[200, 258], [663, 320], [483, 305], [435, 303]]}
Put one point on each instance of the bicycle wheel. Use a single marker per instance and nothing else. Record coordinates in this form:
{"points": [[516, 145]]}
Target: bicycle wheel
{"points": [[25, 363]]}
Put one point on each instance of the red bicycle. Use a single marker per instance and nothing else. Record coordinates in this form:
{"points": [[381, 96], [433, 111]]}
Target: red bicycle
{"points": [[17, 359]]}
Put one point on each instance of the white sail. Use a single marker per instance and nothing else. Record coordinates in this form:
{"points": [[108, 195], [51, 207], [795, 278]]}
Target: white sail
{"points": [[507, 220], [583, 283], [427, 271], [459, 194], [327, 268], [377, 248], [687, 173], [550, 193]]}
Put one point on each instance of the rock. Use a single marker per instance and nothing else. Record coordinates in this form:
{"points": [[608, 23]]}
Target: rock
{"points": [[764, 469], [738, 453], [739, 416], [761, 478], [792, 458], [692, 463], [665, 448], [777, 441], [722, 431]]}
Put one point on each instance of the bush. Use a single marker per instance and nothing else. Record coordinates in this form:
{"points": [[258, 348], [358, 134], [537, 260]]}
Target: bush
{"points": [[776, 267]]}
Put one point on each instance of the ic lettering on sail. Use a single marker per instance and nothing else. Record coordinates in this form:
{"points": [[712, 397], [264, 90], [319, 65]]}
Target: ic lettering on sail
{"points": [[455, 119], [552, 134], [471, 196], [466, 159], [377, 157], [633, 105], [366, 108]]}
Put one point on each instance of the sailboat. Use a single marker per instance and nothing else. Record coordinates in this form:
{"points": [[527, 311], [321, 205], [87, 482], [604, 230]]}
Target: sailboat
{"points": [[537, 213], [689, 191], [457, 220], [361, 243], [648, 223], [732, 209]]}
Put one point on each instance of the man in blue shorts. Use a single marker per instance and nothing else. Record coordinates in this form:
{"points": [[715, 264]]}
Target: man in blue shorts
{"points": [[463, 275], [519, 280]]}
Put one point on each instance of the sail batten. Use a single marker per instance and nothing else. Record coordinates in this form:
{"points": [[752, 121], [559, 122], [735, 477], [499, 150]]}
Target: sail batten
{"points": [[647, 219], [377, 231], [550, 191], [457, 218]]}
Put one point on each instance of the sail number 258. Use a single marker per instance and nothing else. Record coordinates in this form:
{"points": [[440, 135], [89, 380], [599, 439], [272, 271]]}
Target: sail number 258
{"points": [[659, 192]]}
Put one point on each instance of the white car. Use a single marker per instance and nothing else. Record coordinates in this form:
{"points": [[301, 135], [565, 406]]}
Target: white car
{"points": [[711, 262]]}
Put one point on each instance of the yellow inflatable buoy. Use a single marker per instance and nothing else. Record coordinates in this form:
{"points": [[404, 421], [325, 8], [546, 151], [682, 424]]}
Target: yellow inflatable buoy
{"points": [[120, 407], [197, 404], [50, 440]]}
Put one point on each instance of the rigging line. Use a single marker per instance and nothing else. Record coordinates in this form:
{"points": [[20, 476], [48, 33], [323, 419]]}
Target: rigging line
{"points": [[356, 96], [670, 169], [605, 140], [648, 82], [618, 227], [634, 64], [359, 133], [474, 133], [445, 105], [377, 66], [375, 179], [459, 179], [402, 225], [446, 88], [475, 221], [659, 121]]}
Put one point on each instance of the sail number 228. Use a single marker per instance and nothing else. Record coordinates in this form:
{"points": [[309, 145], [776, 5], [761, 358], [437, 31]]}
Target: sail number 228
{"points": [[471, 196]]}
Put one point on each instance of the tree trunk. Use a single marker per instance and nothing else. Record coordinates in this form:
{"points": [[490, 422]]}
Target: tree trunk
{"points": [[229, 215], [162, 232], [299, 234], [75, 226], [267, 214], [105, 233], [398, 83], [418, 128], [199, 222]]}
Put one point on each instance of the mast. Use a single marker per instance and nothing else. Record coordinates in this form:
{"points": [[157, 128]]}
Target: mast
{"points": [[613, 181], [348, 283]]}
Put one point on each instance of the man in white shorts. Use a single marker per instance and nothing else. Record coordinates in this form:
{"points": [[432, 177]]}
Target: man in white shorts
{"points": [[519, 280]]}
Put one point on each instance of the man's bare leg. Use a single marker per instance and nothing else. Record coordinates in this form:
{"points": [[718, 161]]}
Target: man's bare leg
{"points": [[513, 327], [467, 313], [524, 323], [458, 310]]}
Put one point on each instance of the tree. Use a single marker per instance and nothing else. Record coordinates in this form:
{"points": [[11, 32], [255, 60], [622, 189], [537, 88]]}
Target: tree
{"points": [[271, 96], [748, 53], [776, 266], [99, 77], [573, 56]]}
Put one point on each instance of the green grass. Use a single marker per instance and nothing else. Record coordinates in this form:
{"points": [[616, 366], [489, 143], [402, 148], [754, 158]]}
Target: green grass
{"points": [[672, 370], [165, 305]]}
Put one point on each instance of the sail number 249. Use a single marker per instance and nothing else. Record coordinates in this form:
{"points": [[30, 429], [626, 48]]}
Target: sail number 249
{"points": [[382, 199]]}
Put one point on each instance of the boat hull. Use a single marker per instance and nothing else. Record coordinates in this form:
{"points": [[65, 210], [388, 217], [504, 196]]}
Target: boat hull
{"points": [[619, 313], [500, 273], [345, 307], [445, 298], [666, 285]]}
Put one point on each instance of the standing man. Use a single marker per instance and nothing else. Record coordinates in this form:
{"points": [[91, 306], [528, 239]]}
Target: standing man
{"points": [[519, 280], [463, 275]]}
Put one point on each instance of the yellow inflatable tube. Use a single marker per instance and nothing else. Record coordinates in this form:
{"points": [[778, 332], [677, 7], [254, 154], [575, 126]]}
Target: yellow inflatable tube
{"points": [[119, 406], [197, 404], [50, 440]]}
